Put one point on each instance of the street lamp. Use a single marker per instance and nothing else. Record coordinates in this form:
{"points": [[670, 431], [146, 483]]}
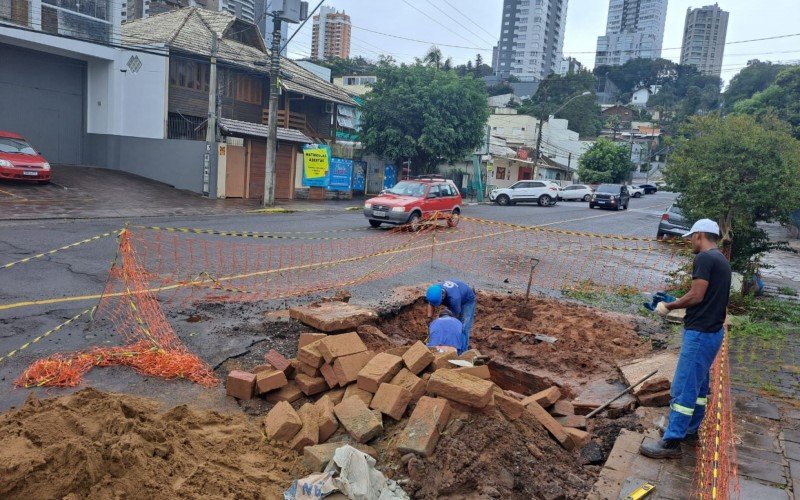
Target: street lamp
{"points": [[541, 122]]}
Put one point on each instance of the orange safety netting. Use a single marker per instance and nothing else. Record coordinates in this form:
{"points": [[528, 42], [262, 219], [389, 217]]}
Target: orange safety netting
{"points": [[716, 469]]}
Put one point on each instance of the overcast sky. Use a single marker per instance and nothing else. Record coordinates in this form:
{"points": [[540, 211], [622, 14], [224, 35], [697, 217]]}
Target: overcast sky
{"points": [[476, 26]]}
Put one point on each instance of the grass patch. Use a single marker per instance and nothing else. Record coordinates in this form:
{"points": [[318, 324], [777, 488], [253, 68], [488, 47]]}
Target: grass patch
{"points": [[625, 299], [766, 309], [762, 330], [785, 290]]}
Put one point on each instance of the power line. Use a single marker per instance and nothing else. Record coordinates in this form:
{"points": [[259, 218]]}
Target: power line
{"points": [[435, 20], [426, 42], [457, 22], [468, 19]]}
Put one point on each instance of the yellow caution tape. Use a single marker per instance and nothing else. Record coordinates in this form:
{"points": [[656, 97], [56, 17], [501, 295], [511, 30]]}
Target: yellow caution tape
{"points": [[65, 247], [47, 333]]}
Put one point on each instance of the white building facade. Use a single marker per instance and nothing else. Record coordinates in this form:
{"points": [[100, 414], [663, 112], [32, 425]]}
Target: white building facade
{"points": [[634, 29], [531, 39], [704, 39]]}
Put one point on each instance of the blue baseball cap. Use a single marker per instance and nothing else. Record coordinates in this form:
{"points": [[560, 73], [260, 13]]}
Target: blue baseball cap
{"points": [[434, 295]]}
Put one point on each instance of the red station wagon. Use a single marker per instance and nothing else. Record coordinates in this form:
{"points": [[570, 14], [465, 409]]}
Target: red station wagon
{"points": [[19, 161], [412, 201]]}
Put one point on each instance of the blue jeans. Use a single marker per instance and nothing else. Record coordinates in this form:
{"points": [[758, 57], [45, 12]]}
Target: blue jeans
{"points": [[467, 315], [689, 392]]}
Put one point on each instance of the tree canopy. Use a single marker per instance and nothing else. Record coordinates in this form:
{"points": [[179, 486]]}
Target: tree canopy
{"points": [[757, 76], [739, 172], [605, 161], [423, 114], [781, 99], [554, 91]]}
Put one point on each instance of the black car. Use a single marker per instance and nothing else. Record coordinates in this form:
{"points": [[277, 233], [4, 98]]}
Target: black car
{"points": [[649, 188], [615, 196], [672, 223]]}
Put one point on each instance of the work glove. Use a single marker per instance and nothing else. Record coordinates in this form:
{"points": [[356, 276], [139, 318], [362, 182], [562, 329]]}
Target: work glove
{"points": [[661, 309]]}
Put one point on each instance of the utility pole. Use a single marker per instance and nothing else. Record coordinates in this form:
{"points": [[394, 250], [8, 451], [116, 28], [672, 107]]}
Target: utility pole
{"points": [[211, 122], [272, 121]]}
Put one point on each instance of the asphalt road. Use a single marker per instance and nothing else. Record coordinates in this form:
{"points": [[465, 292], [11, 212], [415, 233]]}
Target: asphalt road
{"points": [[83, 271]]}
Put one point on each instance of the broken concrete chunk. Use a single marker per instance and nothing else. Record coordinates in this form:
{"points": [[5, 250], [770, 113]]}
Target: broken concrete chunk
{"points": [[417, 357], [358, 419], [282, 422], [391, 400], [336, 346], [378, 370], [332, 316], [461, 388], [422, 431], [240, 384]]}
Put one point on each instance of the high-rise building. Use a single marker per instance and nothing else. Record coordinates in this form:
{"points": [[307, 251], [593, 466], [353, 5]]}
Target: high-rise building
{"points": [[634, 29], [531, 39], [704, 39], [330, 36]]}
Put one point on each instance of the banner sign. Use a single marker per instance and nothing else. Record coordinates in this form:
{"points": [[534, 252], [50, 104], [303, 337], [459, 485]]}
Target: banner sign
{"points": [[359, 175], [316, 163], [341, 175]]}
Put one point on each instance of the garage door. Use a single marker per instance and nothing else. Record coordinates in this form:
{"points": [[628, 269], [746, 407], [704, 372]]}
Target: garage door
{"points": [[284, 170], [42, 97]]}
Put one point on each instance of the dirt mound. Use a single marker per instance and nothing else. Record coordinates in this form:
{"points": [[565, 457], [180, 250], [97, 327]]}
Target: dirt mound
{"points": [[589, 340], [487, 456], [103, 445]]}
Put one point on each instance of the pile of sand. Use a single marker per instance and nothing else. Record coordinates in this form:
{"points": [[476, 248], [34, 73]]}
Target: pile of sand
{"points": [[96, 444]]}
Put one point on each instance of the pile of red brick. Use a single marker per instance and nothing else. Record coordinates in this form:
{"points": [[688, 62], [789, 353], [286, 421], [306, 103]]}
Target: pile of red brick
{"points": [[357, 388]]}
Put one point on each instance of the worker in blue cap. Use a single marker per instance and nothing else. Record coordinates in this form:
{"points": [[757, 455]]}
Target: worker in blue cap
{"points": [[459, 298]]}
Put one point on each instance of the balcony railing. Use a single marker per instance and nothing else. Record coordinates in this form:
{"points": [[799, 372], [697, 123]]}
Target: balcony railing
{"points": [[291, 120]]}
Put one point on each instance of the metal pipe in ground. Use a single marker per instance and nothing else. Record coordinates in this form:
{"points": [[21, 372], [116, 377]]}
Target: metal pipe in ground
{"points": [[607, 403]]}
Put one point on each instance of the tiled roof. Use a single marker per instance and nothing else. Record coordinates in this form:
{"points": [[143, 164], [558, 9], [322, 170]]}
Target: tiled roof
{"points": [[258, 130], [190, 30]]}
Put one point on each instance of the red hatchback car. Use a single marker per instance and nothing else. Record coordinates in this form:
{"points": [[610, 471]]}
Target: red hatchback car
{"points": [[20, 161], [411, 201]]}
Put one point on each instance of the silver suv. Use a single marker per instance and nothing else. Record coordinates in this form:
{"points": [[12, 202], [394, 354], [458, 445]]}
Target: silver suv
{"points": [[545, 193]]}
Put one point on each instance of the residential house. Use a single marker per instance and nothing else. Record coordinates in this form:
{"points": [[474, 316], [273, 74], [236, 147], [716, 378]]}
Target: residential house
{"points": [[357, 84], [624, 115], [197, 38], [640, 96]]}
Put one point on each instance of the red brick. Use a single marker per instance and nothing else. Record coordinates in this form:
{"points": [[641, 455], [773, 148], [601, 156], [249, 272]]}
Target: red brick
{"points": [[326, 419], [261, 368], [352, 391], [336, 346], [309, 433], [310, 355], [278, 361], [578, 437], [461, 388], [269, 381], [357, 418], [289, 393], [576, 421], [336, 395], [378, 370], [562, 408], [548, 422], [481, 371], [346, 368], [240, 384], [282, 422], [308, 337], [301, 367], [470, 355], [397, 351], [427, 421], [509, 406], [328, 374], [441, 360], [391, 400], [655, 399], [545, 398], [417, 357], [332, 316], [410, 382], [310, 385], [316, 458]]}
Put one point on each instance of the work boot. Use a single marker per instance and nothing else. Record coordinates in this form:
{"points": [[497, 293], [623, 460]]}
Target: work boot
{"points": [[661, 449], [688, 438]]}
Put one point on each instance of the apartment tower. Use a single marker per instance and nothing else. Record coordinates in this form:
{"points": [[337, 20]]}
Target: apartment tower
{"points": [[531, 39], [330, 36], [634, 29], [704, 39]]}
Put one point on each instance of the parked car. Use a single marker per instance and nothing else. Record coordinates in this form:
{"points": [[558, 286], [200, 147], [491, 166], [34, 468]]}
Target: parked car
{"points": [[636, 191], [545, 193], [672, 223], [20, 161], [649, 188], [576, 192], [412, 201], [615, 196]]}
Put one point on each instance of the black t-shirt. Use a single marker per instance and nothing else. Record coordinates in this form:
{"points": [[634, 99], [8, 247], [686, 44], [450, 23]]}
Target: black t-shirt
{"points": [[709, 315]]}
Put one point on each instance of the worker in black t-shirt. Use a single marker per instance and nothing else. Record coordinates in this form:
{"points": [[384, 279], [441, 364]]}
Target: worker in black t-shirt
{"points": [[706, 304]]}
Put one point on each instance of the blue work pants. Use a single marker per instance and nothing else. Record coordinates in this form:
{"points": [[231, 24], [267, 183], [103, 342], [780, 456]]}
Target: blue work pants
{"points": [[689, 392], [467, 315]]}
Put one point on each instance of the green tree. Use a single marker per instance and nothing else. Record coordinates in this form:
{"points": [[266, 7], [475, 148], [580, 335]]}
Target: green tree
{"points": [[605, 161], [738, 172], [781, 99], [348, 67], [419, 113], [582, 112], [757, 76]]}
